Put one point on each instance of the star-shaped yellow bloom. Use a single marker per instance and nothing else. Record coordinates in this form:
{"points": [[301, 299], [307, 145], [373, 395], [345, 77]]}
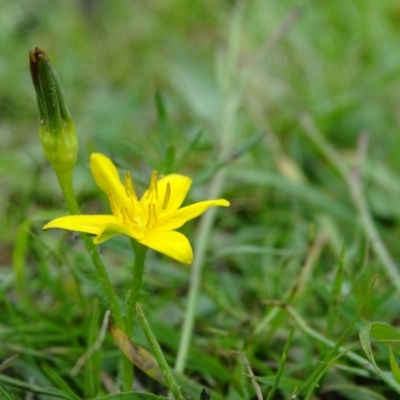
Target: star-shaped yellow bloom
{"points": [[152, 220]]}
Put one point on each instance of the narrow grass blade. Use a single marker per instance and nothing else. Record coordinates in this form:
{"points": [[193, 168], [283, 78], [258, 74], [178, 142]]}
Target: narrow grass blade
{"points": [[378, 332], [383, 333], [19, 265], [355, 186], [163, 128], [169, 163], [188, 151], [213, 167], [281, 366], [59, 381], [56, 393], [7, 362], [313, 380], [367, 366], [92, 368], [131, 396], [4, 395], [364, 334], [394, 366], [160, 106], [335, 299], [352, 392], [247, 145]]}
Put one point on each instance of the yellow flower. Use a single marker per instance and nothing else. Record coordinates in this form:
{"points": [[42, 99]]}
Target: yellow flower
{"points": [[152, 220]]}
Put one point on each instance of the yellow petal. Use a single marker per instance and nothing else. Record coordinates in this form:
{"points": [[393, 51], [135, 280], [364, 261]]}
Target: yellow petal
{"points": [[103, 226], [176, 219], [107, 178], [116, 228], [173, 244], [82, 223], [179, 186]]}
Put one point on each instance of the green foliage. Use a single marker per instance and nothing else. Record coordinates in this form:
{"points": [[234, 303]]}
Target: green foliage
{"points": [[262, 101], [378, 332], [131, 396]]}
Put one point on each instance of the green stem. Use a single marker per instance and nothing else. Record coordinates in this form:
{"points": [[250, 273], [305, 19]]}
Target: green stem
{"points": [[158, 354], [130, 302], [134, 292], [65, 181]]}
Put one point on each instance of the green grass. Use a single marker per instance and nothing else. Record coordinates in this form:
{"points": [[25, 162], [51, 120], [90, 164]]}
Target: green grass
{"points": [[288, 109]]}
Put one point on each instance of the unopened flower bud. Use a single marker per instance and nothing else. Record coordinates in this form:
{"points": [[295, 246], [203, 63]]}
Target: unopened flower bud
{"points": [[57, 129]]}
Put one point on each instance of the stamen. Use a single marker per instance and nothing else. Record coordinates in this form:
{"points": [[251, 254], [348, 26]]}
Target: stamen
{"points": [[148, 215], [114, 206], [151, 215], [153, 186], [126, 215], [167, 196], [129, 190]]}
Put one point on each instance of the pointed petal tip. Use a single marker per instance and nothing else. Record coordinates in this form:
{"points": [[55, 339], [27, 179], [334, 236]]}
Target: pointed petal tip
{"points": [[97, 240], [184, 261], [224, 203], [98, 158], [171, 243], [49, 225], [97, 155], [188, 260]]}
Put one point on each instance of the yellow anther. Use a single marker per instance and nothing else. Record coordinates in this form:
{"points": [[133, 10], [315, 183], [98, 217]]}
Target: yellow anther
{"points": [[114, 206], [151, 215], [167, 196], [126, 215], [129, 190], [153, 186], [148, 215]]}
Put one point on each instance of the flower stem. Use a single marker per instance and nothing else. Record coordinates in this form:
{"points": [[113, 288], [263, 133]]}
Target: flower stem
{"points": [[65, 181], [131, 300], [158, 354], [134, 292]]}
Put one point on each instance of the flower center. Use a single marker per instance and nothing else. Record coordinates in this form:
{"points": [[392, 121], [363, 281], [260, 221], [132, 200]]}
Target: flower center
{"points": [[142, 214]]}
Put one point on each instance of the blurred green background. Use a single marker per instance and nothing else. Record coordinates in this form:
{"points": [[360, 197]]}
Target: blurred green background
{"points": [[196, 87]]}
